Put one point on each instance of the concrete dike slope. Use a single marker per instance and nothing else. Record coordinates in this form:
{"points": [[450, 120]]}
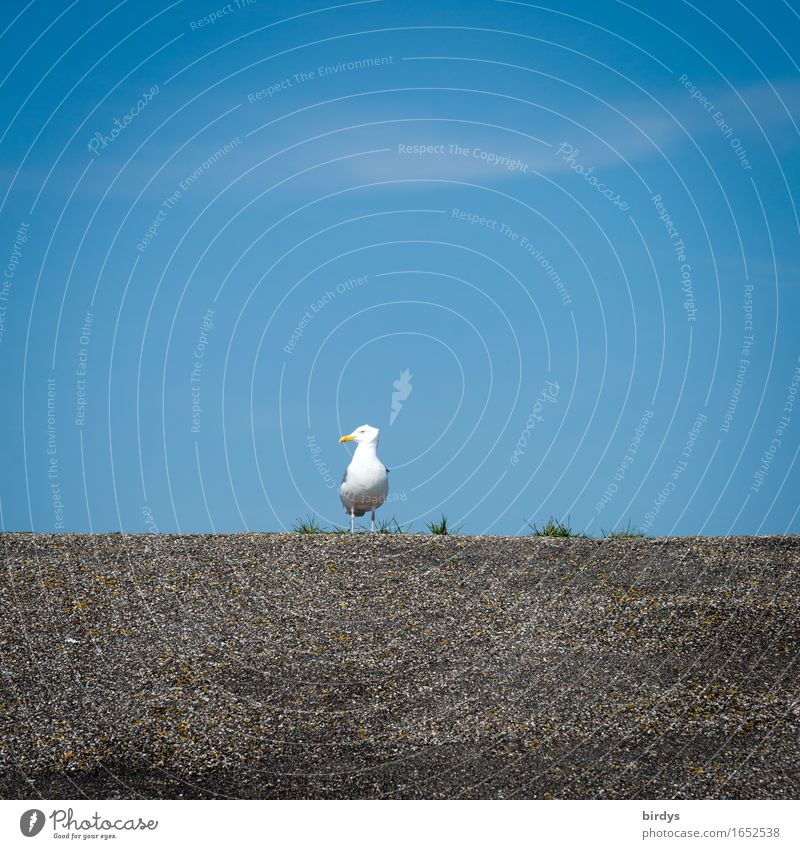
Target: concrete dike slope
{"points": [[398, 666]]}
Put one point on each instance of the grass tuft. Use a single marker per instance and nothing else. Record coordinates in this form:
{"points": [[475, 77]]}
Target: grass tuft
{"points": [[441, 528], [389, 526], [555, 528], [309, 525], [629, 532]]}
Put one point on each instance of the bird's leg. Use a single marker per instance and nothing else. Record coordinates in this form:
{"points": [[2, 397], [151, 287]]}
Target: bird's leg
{"points": [[352, 520], [372, 523]]}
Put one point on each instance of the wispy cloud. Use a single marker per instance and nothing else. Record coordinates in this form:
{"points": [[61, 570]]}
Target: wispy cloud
{"points": [[623, 132]]}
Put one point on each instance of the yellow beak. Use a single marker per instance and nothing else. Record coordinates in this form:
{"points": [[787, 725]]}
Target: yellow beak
{"points": [[346, 439]]}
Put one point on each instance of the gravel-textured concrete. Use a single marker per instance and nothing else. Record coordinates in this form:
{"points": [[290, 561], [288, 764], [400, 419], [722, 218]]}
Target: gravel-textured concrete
{"points": [[285, 665]]}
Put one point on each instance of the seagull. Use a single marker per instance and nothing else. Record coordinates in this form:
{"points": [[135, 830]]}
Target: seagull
{"points": [[365, 483]]}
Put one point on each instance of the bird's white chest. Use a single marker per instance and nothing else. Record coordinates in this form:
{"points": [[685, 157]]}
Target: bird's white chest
{"points": [[366, 483]]}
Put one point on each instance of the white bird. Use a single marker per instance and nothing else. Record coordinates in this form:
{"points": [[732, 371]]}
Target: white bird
{"points": [[365, 483]]}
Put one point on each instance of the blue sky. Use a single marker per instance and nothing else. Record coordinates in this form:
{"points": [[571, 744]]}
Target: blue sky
{"points": [[229, 230]]}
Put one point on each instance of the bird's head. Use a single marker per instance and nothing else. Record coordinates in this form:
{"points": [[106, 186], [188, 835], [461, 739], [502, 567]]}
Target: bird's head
{"points": [[364, 434]]}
